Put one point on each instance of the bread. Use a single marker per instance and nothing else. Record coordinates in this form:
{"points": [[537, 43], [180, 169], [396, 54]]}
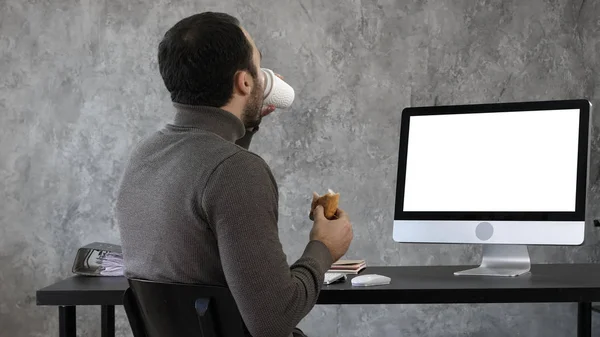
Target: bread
{"points": [[329, 202]]}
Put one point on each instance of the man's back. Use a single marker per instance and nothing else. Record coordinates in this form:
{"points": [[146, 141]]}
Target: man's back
{"points": [[164, 236], [194, 207]]}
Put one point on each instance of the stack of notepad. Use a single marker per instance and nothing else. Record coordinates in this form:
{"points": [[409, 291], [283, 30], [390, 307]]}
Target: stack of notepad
{"points": [[99, 259], [348, 266]]}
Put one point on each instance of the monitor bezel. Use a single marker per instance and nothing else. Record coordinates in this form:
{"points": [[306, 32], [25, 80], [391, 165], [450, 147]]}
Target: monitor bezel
{"points": [[582, 161]]}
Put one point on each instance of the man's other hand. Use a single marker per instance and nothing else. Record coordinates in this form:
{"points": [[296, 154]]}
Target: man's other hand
{"points": [[335, 234]]}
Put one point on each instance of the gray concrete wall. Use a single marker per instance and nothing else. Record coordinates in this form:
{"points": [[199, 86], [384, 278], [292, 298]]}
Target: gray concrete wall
{"points": [[79, 85]]}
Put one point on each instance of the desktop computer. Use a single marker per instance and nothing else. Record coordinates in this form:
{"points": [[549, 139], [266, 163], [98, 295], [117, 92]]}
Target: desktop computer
{"points": [[502, 175]]}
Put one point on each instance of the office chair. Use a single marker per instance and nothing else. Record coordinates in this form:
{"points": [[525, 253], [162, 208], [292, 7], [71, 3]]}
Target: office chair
{"points": [[170, 309]]}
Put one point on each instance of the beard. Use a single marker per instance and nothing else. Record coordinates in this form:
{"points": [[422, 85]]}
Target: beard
{"points": [[252, 115]]}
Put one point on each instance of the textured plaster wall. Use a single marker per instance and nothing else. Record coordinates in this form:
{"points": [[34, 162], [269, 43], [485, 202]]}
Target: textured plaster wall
{"points": [[79, 86]]}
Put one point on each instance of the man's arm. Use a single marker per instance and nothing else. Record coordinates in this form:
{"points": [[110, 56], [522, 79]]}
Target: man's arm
{"points": [[245, 141], [240, 203]]}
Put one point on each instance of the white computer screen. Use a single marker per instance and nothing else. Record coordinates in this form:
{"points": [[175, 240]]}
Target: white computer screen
{"points": [[523, 161]]}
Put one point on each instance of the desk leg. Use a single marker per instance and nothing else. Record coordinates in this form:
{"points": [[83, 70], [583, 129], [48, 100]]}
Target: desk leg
{"points": [[584, 319], [108, 321], [67, 321]]}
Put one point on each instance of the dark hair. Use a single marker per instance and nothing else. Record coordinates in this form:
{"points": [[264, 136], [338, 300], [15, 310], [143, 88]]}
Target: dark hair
{"points": [[199, 56]]}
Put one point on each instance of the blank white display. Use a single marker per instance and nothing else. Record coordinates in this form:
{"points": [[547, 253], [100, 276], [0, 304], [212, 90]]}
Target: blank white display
{"points": [[524, 161]]}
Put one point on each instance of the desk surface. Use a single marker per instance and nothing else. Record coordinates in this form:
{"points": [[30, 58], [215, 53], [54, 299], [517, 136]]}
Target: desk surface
{"points": [[410, 285]]}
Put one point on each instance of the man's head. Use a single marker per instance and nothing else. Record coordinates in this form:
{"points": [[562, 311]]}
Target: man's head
{"points": [[208, 59]]}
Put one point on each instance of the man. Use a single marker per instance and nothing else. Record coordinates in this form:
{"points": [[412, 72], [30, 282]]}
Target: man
{"points": [[195, 206]]}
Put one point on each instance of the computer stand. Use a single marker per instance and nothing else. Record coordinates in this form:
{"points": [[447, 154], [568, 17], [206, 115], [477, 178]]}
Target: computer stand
{"points": [[501, 260]]}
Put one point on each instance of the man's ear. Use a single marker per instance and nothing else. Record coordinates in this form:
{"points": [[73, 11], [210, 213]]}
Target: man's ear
{"points": [[243, 83]]}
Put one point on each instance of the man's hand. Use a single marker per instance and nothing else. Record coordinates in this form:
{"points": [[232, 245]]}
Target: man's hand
{"points": [[335, 234], [267, 110], [270, 108]]}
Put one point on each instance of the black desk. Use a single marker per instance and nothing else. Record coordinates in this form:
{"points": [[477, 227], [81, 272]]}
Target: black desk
{"points": [[576, 283]]}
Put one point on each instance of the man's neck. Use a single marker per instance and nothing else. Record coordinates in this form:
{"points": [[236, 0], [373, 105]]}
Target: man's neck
{"points": [[216, 120], [234, 109]]}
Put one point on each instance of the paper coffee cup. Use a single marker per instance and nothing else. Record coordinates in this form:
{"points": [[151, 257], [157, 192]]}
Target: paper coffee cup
{"points": [[277, 92]]}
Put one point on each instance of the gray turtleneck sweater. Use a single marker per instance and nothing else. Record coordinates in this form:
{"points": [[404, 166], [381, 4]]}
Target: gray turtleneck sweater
{"points": [[195, 206]]}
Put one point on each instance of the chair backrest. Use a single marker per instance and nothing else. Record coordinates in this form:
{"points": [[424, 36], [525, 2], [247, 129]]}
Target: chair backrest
{"points": [[157, 309]]}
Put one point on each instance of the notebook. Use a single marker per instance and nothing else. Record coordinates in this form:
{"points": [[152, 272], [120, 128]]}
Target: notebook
{"points": [[348, 266], [334, 277], [99, 259]]}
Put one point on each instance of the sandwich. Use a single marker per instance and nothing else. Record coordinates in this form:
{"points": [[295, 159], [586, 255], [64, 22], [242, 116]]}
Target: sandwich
{"points": [[329, 201]]}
